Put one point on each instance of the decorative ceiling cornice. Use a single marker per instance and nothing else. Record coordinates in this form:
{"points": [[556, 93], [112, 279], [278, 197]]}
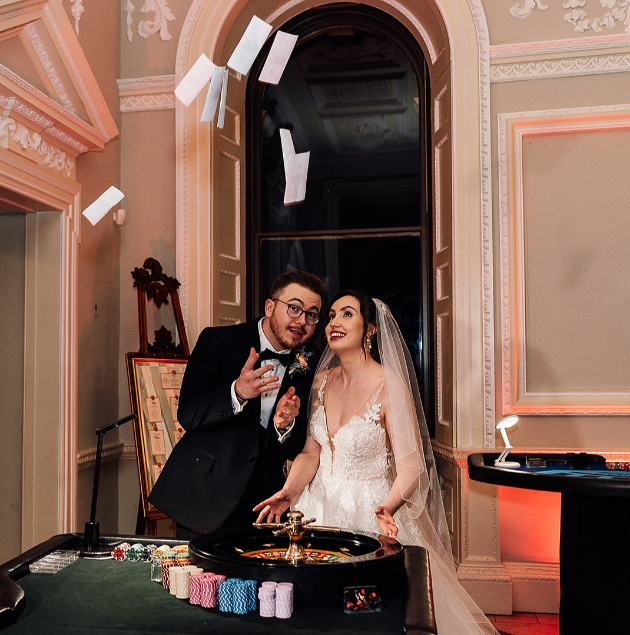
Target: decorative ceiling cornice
{"points": [[560, 58]]}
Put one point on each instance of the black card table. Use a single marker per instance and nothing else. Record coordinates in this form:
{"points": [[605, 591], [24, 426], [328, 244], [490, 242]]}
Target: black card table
{"points": [[594, 532]]}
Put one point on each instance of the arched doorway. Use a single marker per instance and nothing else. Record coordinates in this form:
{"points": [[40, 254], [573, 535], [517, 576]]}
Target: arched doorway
{"points": [[355, 93]]}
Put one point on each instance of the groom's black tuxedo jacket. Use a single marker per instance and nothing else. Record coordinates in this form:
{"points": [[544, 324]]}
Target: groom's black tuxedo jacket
{"points": [[209, 469]]}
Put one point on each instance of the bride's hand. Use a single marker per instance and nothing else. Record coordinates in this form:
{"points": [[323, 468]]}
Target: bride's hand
{"points": [[273, 507], [386, 522]]}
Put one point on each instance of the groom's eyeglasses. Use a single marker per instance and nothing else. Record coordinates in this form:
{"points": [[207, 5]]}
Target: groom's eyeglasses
{"points": [[295, 311]]}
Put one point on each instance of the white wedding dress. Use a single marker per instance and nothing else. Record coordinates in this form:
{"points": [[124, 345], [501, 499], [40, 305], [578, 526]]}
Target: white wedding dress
{"points": [[355, 475]]}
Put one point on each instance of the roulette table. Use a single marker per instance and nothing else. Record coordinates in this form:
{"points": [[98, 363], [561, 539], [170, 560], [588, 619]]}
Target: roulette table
{"points": [[594, 522], [107, 597], [334, 560]]}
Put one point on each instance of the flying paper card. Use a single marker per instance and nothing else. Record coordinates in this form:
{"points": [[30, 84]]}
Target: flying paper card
{"points": [[214, 92], [249, 46], [295, 169], [281, 49], [221, 118], [103, 204], [296, 172], [195, 79]]}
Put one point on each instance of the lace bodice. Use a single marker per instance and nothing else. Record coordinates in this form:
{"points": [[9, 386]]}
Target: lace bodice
{"points": [[355, 468], [358, 450]]}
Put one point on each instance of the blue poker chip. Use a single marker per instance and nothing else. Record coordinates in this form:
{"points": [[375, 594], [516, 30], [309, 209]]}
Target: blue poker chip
{"points": [[226, 596]]}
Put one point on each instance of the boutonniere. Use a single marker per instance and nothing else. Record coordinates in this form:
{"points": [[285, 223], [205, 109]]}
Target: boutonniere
{"points": [[300, 363]]}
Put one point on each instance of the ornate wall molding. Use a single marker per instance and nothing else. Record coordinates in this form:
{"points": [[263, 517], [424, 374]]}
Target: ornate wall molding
{"points": [[561, 68], [487, 254], [162, 15], [86, 459], [106, 128], [147, 93], [618, 14], [561, 58], [516, 398], [533, 571], [49, 68], [34, 146]]}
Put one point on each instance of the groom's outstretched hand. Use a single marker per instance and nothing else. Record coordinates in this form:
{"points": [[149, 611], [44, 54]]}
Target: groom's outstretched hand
{"points": [[273, 508], [250, 382], [287, 409]]}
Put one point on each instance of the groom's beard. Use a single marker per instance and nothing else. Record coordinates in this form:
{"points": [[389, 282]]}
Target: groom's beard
{"points": [[289, 334]]}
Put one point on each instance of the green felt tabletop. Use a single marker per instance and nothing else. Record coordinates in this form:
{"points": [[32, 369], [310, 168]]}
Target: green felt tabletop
{"points": [[107, 597]]}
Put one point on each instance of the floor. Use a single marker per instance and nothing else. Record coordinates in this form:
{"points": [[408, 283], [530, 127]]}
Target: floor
{"points": [[526, 623]]}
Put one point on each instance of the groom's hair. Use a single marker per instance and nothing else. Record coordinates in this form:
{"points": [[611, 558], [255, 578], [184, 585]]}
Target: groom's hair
{"points": [[307, 280]]}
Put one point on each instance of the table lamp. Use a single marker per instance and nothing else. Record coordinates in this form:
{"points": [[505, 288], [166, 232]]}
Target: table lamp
{"points": [[91, 536], [502, 426]]}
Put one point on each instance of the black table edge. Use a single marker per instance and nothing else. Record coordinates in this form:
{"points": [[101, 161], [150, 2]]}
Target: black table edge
{"points": [[481, 468]]}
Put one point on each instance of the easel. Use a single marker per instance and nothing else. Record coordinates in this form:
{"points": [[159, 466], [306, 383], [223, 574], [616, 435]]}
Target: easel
{"points": [[153, 285]]}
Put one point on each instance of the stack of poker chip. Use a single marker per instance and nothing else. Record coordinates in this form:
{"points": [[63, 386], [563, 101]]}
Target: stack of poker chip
{"points": [[226, 596], [209, 590], [284, 600], [133, 553], [237, 596], [168, 561], [244, 596], [195, 587], [119, 551], [267, 597], [147, 553], [180, 580]]}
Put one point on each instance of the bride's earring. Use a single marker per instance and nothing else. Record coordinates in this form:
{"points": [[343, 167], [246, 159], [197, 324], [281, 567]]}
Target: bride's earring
{"points": [[368, 343]]}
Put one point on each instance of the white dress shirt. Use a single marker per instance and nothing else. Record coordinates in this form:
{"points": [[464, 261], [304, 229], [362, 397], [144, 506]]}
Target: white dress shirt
{"points": [[267, 398]]}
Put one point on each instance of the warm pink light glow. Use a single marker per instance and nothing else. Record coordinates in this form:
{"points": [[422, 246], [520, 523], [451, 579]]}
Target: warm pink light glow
{"points": [[529, 525]]}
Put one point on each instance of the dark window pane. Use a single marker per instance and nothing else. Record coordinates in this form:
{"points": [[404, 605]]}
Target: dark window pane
{"points": [[385, 267], [353, 102]]}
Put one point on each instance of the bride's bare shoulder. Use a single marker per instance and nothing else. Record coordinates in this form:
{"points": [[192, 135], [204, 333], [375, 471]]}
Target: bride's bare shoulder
{"points": [[395, 387]]}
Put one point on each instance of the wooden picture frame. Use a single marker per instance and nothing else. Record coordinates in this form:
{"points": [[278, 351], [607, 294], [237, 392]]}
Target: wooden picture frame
{"points": [[154, 385]]}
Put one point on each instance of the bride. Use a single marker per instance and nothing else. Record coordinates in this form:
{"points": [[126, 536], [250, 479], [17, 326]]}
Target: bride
{"points": [[367, 464]]}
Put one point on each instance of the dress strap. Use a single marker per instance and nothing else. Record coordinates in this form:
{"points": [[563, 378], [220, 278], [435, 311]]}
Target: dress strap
{"points": [[375, 395], [320, 391]]}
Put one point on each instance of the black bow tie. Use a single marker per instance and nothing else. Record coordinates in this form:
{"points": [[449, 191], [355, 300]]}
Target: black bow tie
{"points": [[283, 358]]}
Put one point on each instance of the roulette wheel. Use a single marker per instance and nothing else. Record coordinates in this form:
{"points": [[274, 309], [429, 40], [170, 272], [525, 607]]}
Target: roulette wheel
{"points": [[319, 561]]}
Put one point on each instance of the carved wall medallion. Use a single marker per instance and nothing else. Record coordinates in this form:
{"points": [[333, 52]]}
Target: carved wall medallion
{"points": [[162, 15]]}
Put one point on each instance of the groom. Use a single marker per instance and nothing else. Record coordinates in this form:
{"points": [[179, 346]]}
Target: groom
{"points": [[241, 412]]}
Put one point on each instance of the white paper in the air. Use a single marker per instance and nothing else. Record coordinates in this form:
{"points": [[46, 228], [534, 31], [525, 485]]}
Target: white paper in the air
{"points": [[214, 92], [295, 169], [278, 57], [288, 149], [221, 118], [103, 204], [249, 46], [194, 80]]}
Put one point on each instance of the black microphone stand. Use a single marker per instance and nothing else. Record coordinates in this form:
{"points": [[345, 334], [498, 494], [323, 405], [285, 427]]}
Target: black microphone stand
{"points": [[91, 537]]}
